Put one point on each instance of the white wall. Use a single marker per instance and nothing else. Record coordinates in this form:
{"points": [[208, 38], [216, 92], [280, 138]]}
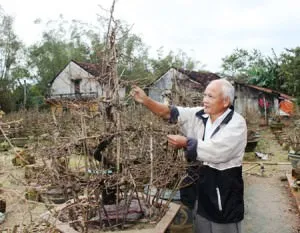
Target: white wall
{"points": [[63, 83], [247, 100], [164, 83]]}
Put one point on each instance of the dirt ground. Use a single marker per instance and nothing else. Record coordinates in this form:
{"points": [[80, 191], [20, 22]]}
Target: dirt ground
{"points": [[19, 211], [270, 207]]}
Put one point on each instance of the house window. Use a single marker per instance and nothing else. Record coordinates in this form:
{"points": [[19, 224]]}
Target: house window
{"points": [[77, 86]]}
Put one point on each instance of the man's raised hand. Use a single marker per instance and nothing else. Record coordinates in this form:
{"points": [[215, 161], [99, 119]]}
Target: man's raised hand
{"points": [[138, 94]]}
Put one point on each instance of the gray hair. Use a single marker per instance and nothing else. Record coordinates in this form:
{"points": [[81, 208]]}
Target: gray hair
{"points": [[227, 89]]}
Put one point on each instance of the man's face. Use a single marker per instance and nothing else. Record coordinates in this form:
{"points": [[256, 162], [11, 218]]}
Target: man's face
{"points": [[213, 101]]}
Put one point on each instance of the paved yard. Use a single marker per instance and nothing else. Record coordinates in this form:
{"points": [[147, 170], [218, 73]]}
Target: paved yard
{"points": [[269, 204]]}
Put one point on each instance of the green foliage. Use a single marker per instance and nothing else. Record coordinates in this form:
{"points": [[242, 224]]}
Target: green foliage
{"points": [[254, 68], [279, 73], [9, 45], [266, 74], [133, 57], [241, 61], [10, 65], [290, 70], [235, 62], [178, 60], [6, 97]]}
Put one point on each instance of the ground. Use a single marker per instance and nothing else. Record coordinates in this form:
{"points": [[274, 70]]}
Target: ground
{"points": [[269, 205], [19, 211]]}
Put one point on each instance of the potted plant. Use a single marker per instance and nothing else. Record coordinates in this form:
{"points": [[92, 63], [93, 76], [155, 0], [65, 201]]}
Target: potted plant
{"points": [[252, 140], [294, 153], [276, 124]]}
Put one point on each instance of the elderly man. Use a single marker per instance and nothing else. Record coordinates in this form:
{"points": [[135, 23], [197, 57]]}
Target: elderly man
{"points": [[216, 135]]}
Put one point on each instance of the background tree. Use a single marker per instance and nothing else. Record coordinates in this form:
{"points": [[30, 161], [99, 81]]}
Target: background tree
{"points": [[136, 65], [133, 58], [266, 73], [10, 65], [290, 71], [61, 42], [254, 68], [240, 61], [162, 63], [278, 73]]}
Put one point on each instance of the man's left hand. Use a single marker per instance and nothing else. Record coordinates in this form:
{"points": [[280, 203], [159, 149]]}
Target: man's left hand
{"points": [[177, 141]]}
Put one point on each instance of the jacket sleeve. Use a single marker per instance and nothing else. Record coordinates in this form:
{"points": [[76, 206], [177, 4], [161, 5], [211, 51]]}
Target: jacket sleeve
{"points": [[228, 143], [186, 119]]}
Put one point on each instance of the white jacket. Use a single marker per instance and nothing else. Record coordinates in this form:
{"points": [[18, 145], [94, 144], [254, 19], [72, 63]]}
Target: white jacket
{"points": [[223, 150]]}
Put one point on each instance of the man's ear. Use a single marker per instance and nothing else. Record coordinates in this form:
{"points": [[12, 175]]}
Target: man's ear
{"points": [[226, 102]]}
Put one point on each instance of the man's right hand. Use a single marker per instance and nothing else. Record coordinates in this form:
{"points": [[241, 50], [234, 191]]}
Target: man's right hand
{"points": [[138, 94], [157, 108]]}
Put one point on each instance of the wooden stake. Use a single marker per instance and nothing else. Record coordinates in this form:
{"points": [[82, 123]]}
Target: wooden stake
{"points": [[151, 157], [118, 142]]}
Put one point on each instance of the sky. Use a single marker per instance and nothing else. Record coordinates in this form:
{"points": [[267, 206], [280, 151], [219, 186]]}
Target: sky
{"points": [[207, 30]]}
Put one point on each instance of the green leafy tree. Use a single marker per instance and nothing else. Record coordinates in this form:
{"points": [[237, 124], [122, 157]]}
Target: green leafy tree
{"points": [[290, 71], [254, 68], [179, 60], [133, 59], [10, 66], [266, 73], [9, 45], [236, 62]]}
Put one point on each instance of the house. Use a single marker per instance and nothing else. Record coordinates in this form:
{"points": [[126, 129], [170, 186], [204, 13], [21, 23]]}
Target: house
{"points": [[80, 80], [250, 98], [190, 85], [180, 86]]}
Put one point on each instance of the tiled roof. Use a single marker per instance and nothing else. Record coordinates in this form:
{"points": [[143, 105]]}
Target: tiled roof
{"points": [[267, 90], [93, 69], [201, 76]]}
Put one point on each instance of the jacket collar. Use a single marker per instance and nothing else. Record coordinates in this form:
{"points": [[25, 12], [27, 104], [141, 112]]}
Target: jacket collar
{"points": [[204, 116]]}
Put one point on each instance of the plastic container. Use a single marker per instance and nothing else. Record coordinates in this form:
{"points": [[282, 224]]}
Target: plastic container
{"points": [[295, 160]]}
